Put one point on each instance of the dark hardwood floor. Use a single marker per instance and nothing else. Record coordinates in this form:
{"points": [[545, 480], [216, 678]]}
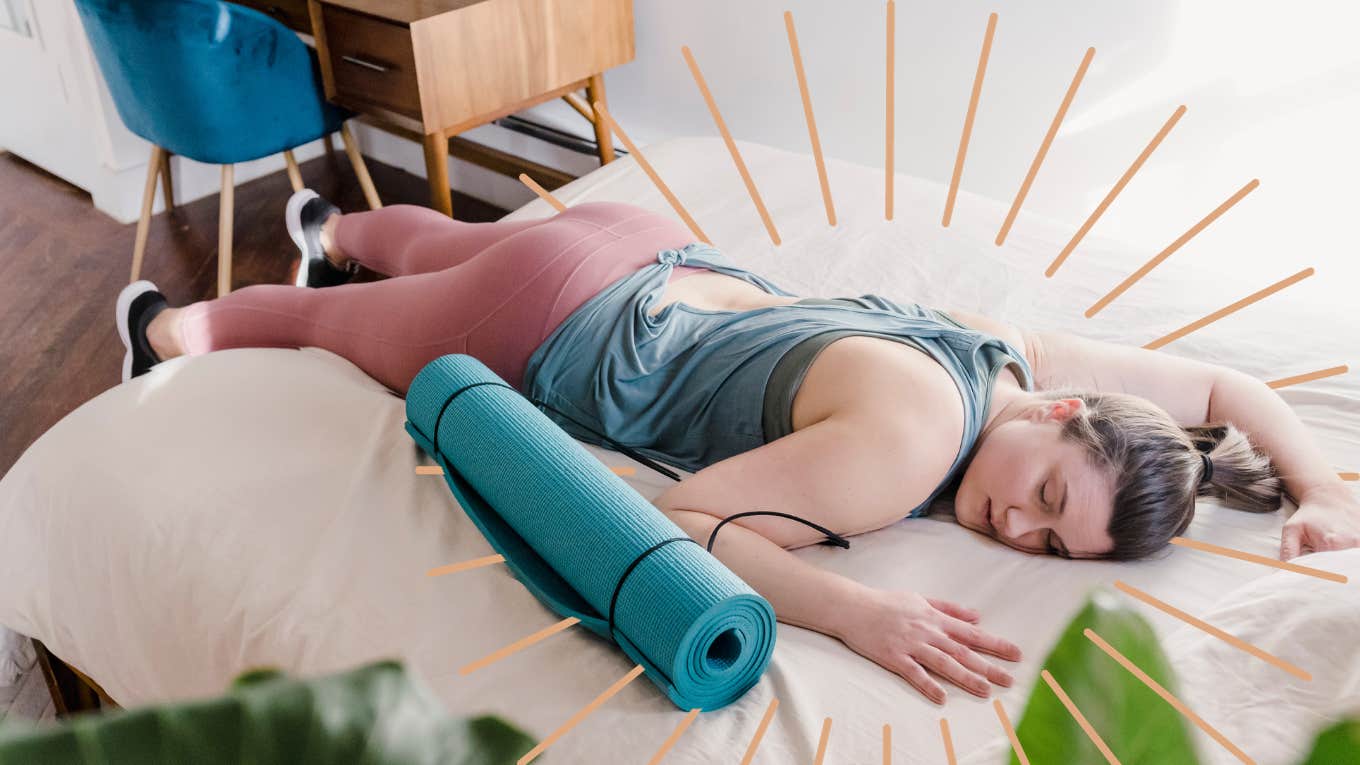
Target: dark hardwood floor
{"points": [[62, 263]]}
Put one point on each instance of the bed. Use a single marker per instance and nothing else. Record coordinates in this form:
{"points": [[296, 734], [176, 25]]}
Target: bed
{"points": [[261, 507]]}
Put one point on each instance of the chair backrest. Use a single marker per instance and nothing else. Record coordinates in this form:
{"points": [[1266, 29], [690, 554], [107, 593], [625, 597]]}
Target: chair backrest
{"points": [[209, 80]]}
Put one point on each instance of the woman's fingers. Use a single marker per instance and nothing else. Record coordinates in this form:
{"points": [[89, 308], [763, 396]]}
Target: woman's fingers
{"points": [[950, 669], [976, 638], [920, 680], [954, 609], [1291, 540], [971, 660]]}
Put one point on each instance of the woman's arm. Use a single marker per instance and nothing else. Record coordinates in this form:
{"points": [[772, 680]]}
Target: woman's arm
{"points": [[848, 478], [1328, 517], [1195, 392], [1256, 409], [902, 632]]}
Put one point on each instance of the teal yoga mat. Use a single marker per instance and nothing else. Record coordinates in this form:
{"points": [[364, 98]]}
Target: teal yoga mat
{"points": [[581, 539]]}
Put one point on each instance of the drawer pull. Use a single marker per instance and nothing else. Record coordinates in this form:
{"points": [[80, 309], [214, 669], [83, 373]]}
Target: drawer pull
{"points": [[364, 63]]}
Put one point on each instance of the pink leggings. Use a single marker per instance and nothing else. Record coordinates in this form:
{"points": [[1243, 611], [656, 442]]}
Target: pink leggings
{"points": [[491, 290]]}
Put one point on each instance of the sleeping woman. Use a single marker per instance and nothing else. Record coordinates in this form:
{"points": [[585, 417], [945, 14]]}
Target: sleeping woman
{"points": [[824, 417]]}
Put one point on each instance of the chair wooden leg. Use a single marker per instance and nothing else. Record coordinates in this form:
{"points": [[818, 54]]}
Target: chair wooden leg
{"points": [[437, 172], [330, 146], [595, 92], [360, 169], [294, 172], [167, 183], [153, 169], [224, 225]]}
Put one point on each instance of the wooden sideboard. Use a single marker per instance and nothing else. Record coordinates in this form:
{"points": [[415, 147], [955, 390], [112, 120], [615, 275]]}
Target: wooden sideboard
{"points": [[436, 68]]}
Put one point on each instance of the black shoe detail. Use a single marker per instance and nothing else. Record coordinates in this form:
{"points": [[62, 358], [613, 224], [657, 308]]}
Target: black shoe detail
{"points": [[138, 304], [306, 213]]}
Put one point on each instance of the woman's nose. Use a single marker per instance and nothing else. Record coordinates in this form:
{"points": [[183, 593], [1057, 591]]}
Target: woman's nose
{"points": [[1017, 522]]}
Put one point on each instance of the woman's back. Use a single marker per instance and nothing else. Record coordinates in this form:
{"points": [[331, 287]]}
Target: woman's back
{"points": [[692, 385]]}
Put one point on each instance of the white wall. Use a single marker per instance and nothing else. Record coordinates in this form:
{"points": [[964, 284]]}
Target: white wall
{"points": [[1272, 91]]}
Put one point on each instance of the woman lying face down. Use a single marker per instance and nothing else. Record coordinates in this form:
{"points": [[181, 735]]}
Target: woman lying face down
{"points": [[671, 347], [1108, 471]]}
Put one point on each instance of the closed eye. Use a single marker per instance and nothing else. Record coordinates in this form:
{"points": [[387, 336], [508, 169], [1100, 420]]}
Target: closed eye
{"points": [[1055, 545]]}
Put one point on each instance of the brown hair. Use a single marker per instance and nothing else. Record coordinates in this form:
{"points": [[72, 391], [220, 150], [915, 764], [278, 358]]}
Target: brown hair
{"points": [[1157, 467]]}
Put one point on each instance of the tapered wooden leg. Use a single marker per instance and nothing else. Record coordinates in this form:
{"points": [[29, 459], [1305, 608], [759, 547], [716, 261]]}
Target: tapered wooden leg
{"points": [[167, 184], [153, 170], [595, 93], [360, 169], [437, 172], [330, 145], [582, 108], [225, 216], [294, 173]]}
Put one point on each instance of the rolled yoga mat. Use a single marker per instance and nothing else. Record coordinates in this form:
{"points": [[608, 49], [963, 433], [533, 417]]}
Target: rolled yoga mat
{"points": [[584, 542]]}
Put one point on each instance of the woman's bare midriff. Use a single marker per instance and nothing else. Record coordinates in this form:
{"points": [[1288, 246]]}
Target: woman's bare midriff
{"points": [[712, 291]]}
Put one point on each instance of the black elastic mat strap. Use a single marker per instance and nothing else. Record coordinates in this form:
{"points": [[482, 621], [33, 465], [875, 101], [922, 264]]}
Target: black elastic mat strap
{"points": [[831, 536], [614, 599], [434, 440]]}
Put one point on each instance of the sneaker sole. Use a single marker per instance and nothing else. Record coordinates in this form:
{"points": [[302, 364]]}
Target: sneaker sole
{"points": [[125, 298], [292, 215]]}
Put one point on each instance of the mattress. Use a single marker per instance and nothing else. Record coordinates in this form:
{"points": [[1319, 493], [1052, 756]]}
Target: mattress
{"points": [[260, 507]]}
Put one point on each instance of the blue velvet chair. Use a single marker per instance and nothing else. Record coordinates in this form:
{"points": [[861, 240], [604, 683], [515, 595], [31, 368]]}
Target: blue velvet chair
{"points": [[217, 83]]}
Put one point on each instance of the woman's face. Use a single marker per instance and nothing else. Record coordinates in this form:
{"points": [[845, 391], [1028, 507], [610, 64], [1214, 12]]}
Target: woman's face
{"points": [[1031, 489]]}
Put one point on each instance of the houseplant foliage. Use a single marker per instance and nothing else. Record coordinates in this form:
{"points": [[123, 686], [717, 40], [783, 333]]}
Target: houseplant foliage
{"points": [[1337, 744], [373, 715], [1137, 725]]}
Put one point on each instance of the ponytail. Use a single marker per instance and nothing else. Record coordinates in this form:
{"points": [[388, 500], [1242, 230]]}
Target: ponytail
{"points": [[1243, 477]]}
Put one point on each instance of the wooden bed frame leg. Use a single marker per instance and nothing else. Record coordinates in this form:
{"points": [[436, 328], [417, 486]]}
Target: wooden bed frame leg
{"points": [[70, 694]]}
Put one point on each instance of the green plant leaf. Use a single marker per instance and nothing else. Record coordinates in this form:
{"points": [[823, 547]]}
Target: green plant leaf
{"points": [[373, 715], [1136, 723], [1337, 744]]}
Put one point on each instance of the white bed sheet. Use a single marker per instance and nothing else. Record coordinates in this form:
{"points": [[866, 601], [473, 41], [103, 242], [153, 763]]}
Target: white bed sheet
{"points": [[258, 507]]}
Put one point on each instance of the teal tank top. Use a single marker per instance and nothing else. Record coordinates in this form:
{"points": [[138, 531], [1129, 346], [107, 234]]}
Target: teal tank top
{"points": [[690, 387]]}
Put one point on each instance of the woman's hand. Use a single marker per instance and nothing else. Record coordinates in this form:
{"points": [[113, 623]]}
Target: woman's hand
{"points": [[1327, 520], [907, 634]]}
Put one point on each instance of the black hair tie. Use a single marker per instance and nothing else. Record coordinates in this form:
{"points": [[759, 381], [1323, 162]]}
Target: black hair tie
{"points": [[1208, 474], [434, 439]]}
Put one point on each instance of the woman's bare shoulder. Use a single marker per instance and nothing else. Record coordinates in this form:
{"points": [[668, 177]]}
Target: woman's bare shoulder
{"points": [[1004, 330]]}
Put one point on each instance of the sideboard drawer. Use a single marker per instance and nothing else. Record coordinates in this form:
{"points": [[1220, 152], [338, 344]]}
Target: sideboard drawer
{"points": [[371, 61]]}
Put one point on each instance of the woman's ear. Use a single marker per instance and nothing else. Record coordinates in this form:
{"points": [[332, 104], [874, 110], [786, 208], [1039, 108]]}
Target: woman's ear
{"points": [[1071, 406], [1059, 411]]}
